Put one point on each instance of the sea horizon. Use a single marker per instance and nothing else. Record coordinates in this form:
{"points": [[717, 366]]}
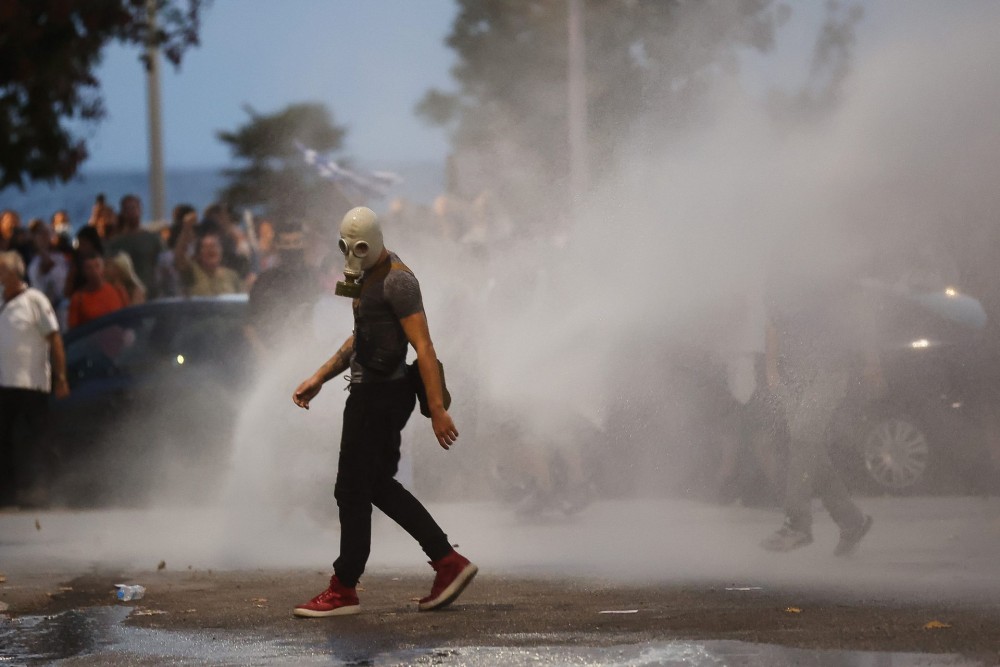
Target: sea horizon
{"points": [[198, 186]]}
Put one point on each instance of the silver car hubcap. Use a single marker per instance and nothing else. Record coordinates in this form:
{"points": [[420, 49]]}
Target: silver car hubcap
{"points": [[896, 453]]}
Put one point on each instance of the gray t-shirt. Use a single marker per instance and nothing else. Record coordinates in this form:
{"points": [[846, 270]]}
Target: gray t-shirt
{"points": [[389, 293]]}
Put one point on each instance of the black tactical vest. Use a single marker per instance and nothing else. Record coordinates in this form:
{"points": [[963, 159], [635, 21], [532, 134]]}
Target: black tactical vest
{"points": [[380, 344]]}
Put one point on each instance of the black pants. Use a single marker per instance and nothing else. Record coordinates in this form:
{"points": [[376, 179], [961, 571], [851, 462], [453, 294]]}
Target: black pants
{"points": [[369, 456], [22, 462]]}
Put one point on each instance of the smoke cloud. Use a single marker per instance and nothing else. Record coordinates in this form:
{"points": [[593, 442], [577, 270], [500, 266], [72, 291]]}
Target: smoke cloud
{"points": [[569, 340]]}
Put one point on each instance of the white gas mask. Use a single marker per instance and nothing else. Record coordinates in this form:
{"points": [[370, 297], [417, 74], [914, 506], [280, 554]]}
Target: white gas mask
{"points": [[361, 243]]}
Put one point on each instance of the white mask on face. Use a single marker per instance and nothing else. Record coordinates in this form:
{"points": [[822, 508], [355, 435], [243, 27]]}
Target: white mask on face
{"points": [[361, 243]]}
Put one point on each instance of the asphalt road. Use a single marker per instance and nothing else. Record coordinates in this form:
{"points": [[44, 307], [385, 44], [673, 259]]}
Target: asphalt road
{"points": [[242, 617], [594, 589]]}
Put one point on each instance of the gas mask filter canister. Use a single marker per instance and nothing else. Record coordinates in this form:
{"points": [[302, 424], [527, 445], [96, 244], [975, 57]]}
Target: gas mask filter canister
{"points": [[361, 243]]}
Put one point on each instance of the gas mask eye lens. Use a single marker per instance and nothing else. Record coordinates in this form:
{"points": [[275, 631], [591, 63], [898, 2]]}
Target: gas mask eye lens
{"points": [[360, 249], [342, 244]]}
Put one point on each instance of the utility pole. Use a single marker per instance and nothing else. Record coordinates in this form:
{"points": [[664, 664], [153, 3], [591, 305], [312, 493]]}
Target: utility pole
{"points": [[157, 183], [577, 106]]}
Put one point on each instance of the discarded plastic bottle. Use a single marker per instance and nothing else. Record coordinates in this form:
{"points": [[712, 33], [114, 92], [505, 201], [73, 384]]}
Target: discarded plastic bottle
{"points": [[126, 592]]}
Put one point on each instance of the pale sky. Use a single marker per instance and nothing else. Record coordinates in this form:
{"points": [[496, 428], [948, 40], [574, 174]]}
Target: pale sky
{"points": [[368, 62]]}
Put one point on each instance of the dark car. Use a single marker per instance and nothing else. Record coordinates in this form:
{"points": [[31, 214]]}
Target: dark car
{"points": [[678, 430], [928, 431], [152, 400]]}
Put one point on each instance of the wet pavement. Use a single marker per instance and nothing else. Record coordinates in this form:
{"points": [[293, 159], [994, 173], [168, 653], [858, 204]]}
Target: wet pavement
{"points": [[97, 636], [624, 583]]}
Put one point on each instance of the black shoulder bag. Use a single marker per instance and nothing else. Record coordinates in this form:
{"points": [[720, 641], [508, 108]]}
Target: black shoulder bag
{"points": [[413, 373]]}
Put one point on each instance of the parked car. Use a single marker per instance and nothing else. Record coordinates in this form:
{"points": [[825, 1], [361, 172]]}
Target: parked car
{"points": [[677, 429], [152, 400], [928, 431]]}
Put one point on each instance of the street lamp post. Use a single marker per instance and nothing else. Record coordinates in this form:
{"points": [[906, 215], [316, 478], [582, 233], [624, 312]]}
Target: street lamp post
{"points": [[577, 105], [157, 185]]}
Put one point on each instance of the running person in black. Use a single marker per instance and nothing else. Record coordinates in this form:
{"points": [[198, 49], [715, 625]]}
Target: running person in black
{"points": [[388, 316]]}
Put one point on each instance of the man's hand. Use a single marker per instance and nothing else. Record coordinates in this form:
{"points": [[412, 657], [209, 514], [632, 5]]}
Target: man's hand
{"points": [[444, 428], [57, 357], [60, 388], [415, 328], [306, 392], [773, 376], [338, 363]]}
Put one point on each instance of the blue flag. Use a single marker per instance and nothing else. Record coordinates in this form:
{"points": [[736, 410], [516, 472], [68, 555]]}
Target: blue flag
{"points": [[370, 184]]}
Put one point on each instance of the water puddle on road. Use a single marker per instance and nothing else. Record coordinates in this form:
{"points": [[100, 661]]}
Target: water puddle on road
{"points": [[668, 654], [40, 639], [96, 635]]}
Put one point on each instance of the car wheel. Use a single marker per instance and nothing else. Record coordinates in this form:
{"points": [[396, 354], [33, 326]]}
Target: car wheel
{"points": [[896, 453]]}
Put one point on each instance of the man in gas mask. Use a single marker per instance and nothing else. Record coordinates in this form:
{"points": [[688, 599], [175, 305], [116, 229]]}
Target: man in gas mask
{"points": [[388, 316]]}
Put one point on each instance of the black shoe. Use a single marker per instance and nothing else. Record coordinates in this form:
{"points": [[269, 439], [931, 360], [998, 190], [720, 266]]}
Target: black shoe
{"points": [[849, 539], [786, 538]]}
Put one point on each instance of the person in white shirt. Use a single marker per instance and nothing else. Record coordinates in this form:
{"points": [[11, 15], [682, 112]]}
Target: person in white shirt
{"points": [[32, 363]]}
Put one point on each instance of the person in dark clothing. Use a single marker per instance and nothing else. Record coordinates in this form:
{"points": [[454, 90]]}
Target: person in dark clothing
{"points": [[388, 316], [88, 242], [143, 246], [282, 297], [818, 331]]}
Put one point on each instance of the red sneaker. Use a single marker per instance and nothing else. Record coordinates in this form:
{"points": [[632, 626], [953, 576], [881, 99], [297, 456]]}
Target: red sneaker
{"points": [[454, 573], [337, 600]]}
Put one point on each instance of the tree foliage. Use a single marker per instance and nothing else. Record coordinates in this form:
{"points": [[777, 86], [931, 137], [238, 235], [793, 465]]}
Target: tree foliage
{"points": [[49, 50], [643, 57], [272, 171]]}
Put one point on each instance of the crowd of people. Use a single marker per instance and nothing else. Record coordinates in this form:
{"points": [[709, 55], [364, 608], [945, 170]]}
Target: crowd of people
{"points": [[114, 261], [55, 279], [78, 273]]}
